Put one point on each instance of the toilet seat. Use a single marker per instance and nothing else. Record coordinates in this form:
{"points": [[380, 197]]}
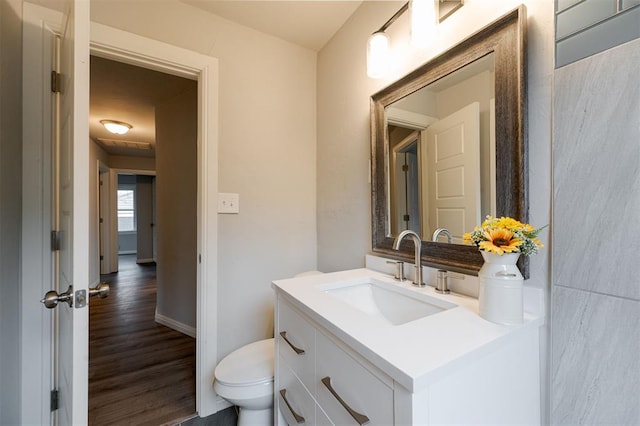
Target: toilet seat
{"points": [[250, 365]]}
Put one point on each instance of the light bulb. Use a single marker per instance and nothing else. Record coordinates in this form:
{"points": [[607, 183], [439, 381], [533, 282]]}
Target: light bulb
{"points": [[116, 127], [423, 22], [377, 55]]}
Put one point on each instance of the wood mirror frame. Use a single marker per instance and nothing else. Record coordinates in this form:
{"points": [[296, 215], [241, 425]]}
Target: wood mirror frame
{"points": [[506, 38]]}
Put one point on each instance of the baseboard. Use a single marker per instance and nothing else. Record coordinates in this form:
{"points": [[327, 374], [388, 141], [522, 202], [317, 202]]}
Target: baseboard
{"points": [[127, 252], [146, 260], [176, 325]]}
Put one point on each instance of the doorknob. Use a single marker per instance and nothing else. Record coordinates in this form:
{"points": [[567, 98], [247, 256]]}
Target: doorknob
{"points": [[102, 290], [51, 298]]}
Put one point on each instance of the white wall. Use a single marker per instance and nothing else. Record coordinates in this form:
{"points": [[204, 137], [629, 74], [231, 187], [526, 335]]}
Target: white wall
{"points": [[344, 233], [144, 218], [177, 184], [10, 206], [131, 163], [267, 143]]}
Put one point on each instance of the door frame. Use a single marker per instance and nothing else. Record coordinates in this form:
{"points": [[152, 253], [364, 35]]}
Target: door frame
{"points": [[122, 46], [136, 50], [112, 230], [104, 218]]}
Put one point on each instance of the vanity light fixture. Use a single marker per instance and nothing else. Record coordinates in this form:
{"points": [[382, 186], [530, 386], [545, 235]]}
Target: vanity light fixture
{"points": [[116, 127], [377, 54], [424, 16], [378, 47]]}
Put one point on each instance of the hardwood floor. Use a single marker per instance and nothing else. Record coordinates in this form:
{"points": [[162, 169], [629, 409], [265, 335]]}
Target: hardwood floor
{"points": [[140, 372]]}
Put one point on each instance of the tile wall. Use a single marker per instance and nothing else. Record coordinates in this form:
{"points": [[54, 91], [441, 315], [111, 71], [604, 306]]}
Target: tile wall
{"points": [[595, 298]]}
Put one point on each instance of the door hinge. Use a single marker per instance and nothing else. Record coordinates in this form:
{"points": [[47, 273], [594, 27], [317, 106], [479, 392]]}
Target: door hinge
{"points": [[55, 399], [405, 167], [101, 257], [101, 220], [55, 240], [406, 218], [56, 82]]}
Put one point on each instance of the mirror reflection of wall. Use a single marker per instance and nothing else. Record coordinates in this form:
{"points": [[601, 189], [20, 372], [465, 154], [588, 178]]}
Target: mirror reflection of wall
{"points": [[441, 143]]}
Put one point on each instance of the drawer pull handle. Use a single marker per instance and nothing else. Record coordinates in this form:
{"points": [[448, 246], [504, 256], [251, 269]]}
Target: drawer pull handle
{"points": [[360, 418], [299, 419], [298, 350]]}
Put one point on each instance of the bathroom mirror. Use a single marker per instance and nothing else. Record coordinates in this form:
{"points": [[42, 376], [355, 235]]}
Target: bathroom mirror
{"points": [[449, 146], [441, 151]]}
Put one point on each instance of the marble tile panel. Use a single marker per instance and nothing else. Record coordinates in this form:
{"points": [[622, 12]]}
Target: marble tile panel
{"points": [[595, 362], [596, 150]]}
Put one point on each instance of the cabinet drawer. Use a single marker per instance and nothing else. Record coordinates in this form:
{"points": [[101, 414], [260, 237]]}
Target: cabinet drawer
{"points": [[360, 390], [295, 403], [296, 343]]}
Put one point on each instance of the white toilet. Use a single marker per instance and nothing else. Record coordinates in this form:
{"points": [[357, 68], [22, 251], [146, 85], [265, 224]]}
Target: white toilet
{"points": [[245, 378]]}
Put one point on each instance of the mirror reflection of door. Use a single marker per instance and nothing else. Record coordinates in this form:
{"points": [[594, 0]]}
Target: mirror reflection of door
{"points": [[452, 160], [405, 164], [455, 168]]}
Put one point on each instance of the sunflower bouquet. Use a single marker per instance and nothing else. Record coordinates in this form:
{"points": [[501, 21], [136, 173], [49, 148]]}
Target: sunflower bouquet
{"points": [[505, 235]]}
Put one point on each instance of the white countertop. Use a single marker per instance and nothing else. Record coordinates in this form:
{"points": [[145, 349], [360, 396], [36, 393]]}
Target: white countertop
{"points": [[414, 353]]}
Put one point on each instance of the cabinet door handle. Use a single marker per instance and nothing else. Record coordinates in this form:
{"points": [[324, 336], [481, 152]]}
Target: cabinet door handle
{"points": [[298, 350], [299, 419], [360, 418]]}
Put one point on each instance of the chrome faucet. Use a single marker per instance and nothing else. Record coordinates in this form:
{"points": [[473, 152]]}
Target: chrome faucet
{"points": [[442, 284], [444, 231], [417, 242]]}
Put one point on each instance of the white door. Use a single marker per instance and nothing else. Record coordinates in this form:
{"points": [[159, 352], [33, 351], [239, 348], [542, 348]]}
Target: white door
{"points": [[453, 172], [73, 215]]}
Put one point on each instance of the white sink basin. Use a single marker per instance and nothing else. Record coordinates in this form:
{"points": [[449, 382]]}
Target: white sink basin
{"points": [[391, 303]]}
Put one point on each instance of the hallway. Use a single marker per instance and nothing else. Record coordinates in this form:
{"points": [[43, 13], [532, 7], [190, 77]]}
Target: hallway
{"points": [[140, 372]]}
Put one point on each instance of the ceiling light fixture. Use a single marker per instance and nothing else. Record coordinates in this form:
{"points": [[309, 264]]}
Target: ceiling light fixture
{"points": [[116, 127], [425, 15]]}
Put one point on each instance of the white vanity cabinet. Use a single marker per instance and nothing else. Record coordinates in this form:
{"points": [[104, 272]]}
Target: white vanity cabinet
{"points": [[336, 365], [349, 389], [323, 381]]}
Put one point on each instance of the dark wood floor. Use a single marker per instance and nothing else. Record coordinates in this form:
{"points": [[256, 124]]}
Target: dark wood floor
{"points": [[140, 372]]}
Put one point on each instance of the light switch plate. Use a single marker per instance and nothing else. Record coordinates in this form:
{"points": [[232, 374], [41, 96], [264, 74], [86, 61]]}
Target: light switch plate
{"points": [[228, 203]]}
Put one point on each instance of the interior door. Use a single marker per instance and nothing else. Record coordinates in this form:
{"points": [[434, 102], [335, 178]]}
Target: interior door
{"points": [[406, 185], [453, 172], [73, 215]]}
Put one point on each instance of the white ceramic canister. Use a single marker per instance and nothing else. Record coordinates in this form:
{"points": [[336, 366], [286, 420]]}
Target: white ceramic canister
{"points": [[500, 296]]}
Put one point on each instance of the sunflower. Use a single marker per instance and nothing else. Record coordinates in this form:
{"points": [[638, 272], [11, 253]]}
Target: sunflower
{"points": [[500, 241]]}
